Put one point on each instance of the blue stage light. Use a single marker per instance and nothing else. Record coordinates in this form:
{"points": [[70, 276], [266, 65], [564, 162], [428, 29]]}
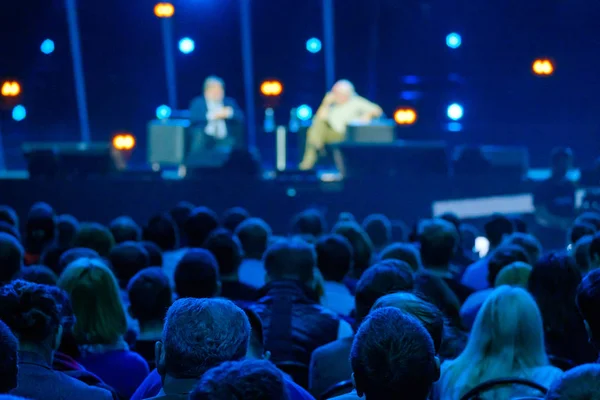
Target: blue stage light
{"points": [[453, 40], [304, 112], [19, 113], [313, 45], [163, 112], [47, 46], [186, 45], [455, 111], [454, 126]]}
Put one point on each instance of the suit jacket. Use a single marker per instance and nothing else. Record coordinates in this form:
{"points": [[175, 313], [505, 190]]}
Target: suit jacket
{"points": [[37, 380], [329, 365]]}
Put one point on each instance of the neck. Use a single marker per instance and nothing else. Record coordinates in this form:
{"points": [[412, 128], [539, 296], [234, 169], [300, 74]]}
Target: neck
{"points": [[41, 350], [230, 278], [151, 329]]}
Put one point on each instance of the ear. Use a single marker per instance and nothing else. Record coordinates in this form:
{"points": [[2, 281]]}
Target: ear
{"points": [[159, 354], [359, 389], [438, 369]]}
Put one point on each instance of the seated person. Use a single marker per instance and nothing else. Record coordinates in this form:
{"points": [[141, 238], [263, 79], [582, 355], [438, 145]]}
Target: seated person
{"points": [[248, 380], [197, 275], [124, 229], [340, 107], [8, 359], [334, 260]]}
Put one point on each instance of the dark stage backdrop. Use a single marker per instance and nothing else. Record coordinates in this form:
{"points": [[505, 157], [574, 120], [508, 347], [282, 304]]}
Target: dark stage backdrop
{"points": [[378, 42]]}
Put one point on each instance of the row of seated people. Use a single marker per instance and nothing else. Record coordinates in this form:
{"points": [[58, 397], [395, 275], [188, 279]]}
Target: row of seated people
{"points": [[129, 313]]}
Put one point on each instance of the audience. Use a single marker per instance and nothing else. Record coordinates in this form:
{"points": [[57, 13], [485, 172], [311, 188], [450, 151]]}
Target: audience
{"points": [[67, 227], [588, 303], [595, 251], [580, 383], [580, 229], [179, 214], [334, 260], [11, 257], [463, 257], [197, 275], [36, 319], [406, 252], [124, 229], [154, 253], [38, 274], [515, 274], [362, 250], [8, 358], [8, 215], [200, 223], [40, 231], [101, 324], [310, 222], [379, 229], [95, 237], [254, 235], [233, 217], [127, 259]]}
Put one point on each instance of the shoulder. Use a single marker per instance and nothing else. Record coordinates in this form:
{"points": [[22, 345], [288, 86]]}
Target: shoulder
{"points": [[545, 375], [335, 347], [349, 396], [79, 389]]}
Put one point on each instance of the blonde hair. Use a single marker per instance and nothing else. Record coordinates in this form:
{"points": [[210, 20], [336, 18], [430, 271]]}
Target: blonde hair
{"points": [[96, 301], [515, 274], [507, 341]]}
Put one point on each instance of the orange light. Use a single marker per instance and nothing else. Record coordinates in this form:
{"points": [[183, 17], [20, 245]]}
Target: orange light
{"points": [[405, 116], [164, 10], [11, 89], [271, 88], [543, 67], [123, 142]]}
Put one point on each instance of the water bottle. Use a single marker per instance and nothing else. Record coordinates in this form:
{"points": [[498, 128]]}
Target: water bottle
{"points": [[269, 123]]}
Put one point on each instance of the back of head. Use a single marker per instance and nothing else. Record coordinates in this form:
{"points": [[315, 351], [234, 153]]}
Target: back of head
{"points": [[527, 242], [292, 259], [595, 249], [96, 301], [254, 235], [579, 383], [74, 254], [200, 334], [519, 224], [180, 214], [502, 257], [11, 257], [553, 283], [8, 359], [309, 222], [154, 253], [514, 274], [590, 217], [8, 215], [588, 302], [579, 230], [561, 159], [150, 295], [67, 226], [362, 247], [124, 229], [162, 230], [201, 222], [334, 257], [403, 252], [436, 291], [40, 227], [226, 249], [438, 239], [379, 280], [379, 229], [127, 259], [393, 357], [233, 217], [248, 380], [468, 235], [497, 228], [581, 253], [38, 274], [428, 315], [95, 236], [5, 227], [197, 275]]}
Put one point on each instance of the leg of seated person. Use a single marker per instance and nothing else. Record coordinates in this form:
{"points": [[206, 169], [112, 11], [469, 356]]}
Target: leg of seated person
{"points": [[319, 134]]}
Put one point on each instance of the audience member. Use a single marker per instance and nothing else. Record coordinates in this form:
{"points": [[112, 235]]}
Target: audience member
{"points": [[519, 224], [379, 229], [67, 227], [393, 357], [38, 274], [154, 253], [11, 258], [362, 250], [179, 214], [35, 317], [9, 229], [95, 237], [200, 223], [334, 260], [8, 359], [150, 296], [581, 252], [162, 230], [197, 275], [233, 217], [531, 246], [124, 229], [127, 259], [40, 231], [462, 257], [227, 251], [515, 274], [309, 222], [101, 324], [507, 341], [580, 229], [328, 364], [590, 217], [8, 215], [74, 254], [254, 235], [469, 234], [580, 383], [406, 252], [595, 251], [248, 380], [553, 283], [588, 303]]}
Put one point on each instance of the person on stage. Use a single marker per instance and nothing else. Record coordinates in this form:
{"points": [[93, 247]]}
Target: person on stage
{"points": [[216, 120], [339, 108]]}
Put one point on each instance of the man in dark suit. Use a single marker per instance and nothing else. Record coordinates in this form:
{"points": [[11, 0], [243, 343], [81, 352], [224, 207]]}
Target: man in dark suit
{"points": [[216, 120]]}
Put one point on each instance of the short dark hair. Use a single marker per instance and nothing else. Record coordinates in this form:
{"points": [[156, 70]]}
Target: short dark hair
{"points": [[379, 280], [502, 257], [529, 243], [581, 252], [201, 222], [406, 252], [393, 356], [591, 217], [579, 383], [11, 257], [362, 247], [154, 253], [588, 301], [127, 259], [334, 257], [150, 295], [67, 227], [248, 380], [519, 224], [197, 275], [595, 248], [254, 235], [8, 359], [74, 254], [227, 251], [8, 215], [580, 229], [38, 274], [5, 227], [496, 228], [161, 229], [124, 229], [438, 239], [290, 259], [379, 229], [96, 237], [309, 222], [40, 227], [233, 217]]}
